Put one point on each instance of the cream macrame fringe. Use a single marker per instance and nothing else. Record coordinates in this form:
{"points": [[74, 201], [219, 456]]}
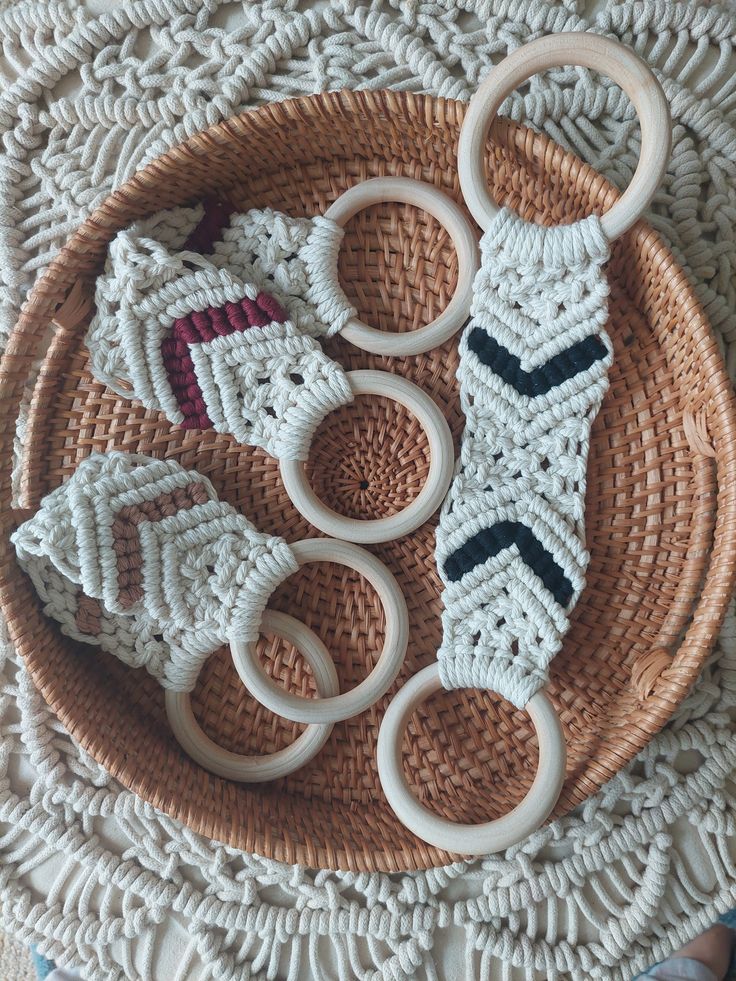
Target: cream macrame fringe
{"points": [[599, 894]]}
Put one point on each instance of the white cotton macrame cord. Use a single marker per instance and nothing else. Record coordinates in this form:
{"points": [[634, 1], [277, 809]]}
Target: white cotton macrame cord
{"points": [[139, 557], [295, 259], [199, 337], [202, 337], [533, 371], [63, 152], [182, 311], [510, 544]]}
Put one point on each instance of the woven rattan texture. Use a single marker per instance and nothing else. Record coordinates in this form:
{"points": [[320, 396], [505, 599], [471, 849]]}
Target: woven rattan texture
{"points": [[660, 521]]}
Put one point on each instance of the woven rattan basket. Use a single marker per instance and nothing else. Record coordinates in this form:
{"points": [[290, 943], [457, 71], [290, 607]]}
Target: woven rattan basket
{"points": [[661, 496]]}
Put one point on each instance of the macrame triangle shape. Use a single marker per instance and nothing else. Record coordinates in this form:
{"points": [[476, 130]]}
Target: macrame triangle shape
{"points": [[144, 547]]}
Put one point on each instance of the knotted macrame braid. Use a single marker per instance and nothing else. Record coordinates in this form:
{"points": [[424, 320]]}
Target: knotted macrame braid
{"points": [[139, 557], [533, 371], [295, 259], [192, 324]]}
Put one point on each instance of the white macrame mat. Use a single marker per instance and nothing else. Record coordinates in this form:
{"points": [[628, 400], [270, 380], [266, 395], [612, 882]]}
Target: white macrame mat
{"points": [[97, 877]]}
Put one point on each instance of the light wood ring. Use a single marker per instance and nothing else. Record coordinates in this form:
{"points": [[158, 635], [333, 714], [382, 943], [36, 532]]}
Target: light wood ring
{"points": [[258, 769], [441, 465], [382, 190], [469, 839], [588, 50], [357, 700]]}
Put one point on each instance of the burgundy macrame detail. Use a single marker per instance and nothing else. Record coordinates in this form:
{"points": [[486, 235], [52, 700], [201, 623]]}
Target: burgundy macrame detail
{"points": [[216, 215], [199, 327], [183, 380]]}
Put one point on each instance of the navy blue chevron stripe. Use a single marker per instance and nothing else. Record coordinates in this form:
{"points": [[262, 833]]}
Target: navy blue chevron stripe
{"points": [[490, 541], [560, 367]]}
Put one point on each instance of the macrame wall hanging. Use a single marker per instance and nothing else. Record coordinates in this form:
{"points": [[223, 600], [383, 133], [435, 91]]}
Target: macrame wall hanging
{"points": [[533, 371]]}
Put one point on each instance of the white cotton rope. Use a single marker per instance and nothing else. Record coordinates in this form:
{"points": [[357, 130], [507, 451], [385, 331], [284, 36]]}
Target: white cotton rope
{"points": [[644, 864], [139, 557], [533, 371], [215, 328]]}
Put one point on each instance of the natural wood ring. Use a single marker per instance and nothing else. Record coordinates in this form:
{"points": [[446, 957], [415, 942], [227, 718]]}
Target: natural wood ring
{"points": [[441, 464], [589, 51], [358, 699], [469, 839], [382, 190], [270, 766]]}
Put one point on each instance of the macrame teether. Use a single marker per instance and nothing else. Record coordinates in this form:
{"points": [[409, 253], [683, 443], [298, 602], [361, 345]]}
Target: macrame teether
{"points": [[139, 557], [205, 347], [296, 259], [533, 371], [210, 316], [348, 704], [382, 190], [259, 769]]}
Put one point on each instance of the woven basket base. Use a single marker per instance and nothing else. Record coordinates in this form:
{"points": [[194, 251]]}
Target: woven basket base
{"points": [[660, 527]]}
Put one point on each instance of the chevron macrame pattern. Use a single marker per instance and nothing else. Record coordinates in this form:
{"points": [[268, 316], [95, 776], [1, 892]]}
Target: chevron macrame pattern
{"points": [[204, 338], [293, 259], [533, 370], [139, 557]]}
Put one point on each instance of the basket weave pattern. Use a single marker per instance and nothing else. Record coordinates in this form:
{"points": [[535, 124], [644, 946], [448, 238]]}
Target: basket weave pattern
{"points": [[661, 506]]}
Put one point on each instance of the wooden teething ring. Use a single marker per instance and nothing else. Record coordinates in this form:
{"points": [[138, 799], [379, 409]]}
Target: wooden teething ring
{"points": [[441, 463], [380, 190], [637, 80], [349, 703], [258, 769], [592, 51], [469, 839]]}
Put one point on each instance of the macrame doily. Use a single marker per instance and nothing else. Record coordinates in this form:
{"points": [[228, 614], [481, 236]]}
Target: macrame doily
{"points": [[84, 101]]}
